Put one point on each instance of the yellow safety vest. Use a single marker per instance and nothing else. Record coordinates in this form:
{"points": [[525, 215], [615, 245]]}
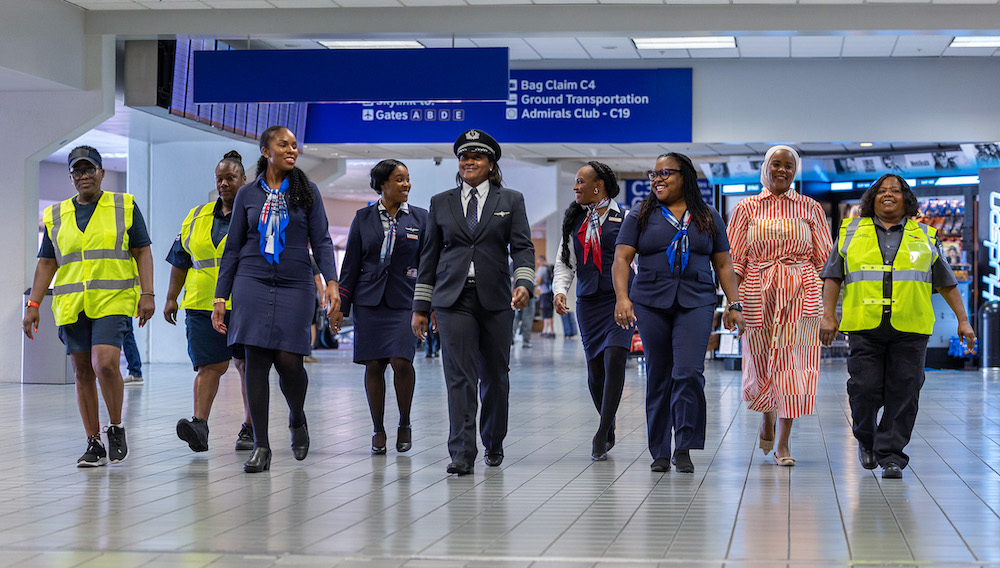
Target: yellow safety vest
{"points": [[911, 277], [196, 239], [96, 274]]}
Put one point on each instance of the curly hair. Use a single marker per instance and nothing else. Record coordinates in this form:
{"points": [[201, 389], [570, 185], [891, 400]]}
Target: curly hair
{"points": [[701, 213], [603, 173], [299, 193], [911, 208]]}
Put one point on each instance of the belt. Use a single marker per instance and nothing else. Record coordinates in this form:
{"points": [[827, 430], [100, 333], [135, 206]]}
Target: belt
{"points": [[470, 282]]}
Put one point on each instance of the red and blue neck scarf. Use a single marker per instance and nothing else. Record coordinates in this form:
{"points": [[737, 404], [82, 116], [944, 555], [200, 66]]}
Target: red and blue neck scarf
{"points": [[680, 238], [273, 220], [590, 233]]}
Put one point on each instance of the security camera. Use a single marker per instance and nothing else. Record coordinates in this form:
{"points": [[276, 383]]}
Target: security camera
{"points": [[437, 160]]}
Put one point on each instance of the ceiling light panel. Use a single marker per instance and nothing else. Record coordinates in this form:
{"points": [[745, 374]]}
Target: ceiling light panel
{"points": [[663, 43], [975, 41]]}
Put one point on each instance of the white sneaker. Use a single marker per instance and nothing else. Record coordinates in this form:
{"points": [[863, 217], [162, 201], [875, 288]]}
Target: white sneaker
{"points": [[132, 379]]}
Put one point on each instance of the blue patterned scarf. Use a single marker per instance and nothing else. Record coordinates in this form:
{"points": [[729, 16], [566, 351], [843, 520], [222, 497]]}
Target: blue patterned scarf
{"points": [[273, 220], [680, 238]]}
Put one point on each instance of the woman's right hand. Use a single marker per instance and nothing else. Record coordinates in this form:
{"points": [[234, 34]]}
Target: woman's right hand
{"points": [[219, 317], [624, 315], [559, 303]]}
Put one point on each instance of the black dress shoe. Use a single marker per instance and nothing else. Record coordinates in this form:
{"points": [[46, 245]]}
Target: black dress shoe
{"points": [[300, 442], [493, 460], [260, 460], [892, 471], [660, 465], [460, 467], [867, 457], [682, 459], [377, 449], [403, 439]]}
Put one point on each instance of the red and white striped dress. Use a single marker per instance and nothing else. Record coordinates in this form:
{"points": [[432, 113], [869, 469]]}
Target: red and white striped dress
{"points": [[778, 245]]}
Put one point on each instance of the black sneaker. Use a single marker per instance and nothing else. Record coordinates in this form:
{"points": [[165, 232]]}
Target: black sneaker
{"points": [[117, 446], [194, 432], [245, 439], [95, 456]]}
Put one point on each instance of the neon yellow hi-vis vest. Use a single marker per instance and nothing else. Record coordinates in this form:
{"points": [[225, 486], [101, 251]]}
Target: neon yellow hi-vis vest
{"points": [[911, 277], [196, 239], [96, 273]]}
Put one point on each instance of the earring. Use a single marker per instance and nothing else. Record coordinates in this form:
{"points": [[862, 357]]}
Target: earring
{"points": [[595, 191]]}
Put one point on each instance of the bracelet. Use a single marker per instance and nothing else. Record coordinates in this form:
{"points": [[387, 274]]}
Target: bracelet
{"points": [[148, 294], [31, 304], [219, 301]]}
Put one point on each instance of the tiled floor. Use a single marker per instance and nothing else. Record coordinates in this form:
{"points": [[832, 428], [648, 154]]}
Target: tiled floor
{"points": [[548, 506]]}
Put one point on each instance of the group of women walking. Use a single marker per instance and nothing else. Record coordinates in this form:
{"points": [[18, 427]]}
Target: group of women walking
{"points": [[462, 267]]}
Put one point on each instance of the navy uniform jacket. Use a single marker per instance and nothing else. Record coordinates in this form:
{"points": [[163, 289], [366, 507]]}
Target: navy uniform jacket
{"points": [[655, 285], [451, 247], [362, 283]]}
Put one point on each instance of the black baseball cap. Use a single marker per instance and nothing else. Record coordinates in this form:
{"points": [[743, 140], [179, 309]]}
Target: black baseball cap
{"points": [[85, 153]]}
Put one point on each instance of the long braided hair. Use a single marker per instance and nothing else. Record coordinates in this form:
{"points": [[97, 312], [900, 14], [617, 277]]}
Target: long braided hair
{"points": [[299, 193], [603, 173], [701, 213]]}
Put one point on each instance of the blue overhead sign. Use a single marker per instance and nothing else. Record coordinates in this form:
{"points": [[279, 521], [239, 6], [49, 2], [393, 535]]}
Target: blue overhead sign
{"points": [[322, 75], [542, 106]]}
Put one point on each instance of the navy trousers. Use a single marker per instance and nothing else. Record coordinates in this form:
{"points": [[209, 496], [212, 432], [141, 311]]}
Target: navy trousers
{"points": [[886, 371], [475, 347], [674, 342]]}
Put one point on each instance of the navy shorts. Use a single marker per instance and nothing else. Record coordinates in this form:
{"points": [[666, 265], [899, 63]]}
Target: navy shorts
{"points": [[84, 333], [205, 345]]}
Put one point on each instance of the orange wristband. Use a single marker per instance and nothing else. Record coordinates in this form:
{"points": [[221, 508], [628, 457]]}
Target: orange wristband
{"points": [[32, 304]]}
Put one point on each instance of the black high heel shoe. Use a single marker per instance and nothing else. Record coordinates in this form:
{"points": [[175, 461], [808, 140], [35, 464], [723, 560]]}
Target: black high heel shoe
{"points": [[300, 442], [403, 439], [599, 448], [376, 449], [260, 460]]}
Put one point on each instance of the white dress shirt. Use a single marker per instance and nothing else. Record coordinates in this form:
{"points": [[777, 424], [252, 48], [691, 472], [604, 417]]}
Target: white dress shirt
{"points": [[482, 190]]}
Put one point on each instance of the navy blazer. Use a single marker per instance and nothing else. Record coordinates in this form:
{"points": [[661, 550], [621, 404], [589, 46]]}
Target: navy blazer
{"points": [[655, 284], [362, 282], [451, 247]]}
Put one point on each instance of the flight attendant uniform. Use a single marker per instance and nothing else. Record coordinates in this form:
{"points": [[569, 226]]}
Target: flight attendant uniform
{"points": [[674, 309], [381, 291]]}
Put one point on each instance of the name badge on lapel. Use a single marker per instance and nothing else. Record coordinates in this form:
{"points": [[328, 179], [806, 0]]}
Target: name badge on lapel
{"points": [[413, 233], [614, 219]]}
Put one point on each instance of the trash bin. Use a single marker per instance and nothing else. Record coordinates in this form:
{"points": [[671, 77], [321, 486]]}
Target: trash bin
{"points": [[44, 360], [989, 334]]}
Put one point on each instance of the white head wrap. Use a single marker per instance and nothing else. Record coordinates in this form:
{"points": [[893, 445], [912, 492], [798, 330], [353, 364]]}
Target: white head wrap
{"points": [[767, 160]]}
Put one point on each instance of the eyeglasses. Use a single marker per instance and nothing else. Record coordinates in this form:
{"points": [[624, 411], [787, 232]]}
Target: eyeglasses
{"points": [[78, 174], [665, 173]]}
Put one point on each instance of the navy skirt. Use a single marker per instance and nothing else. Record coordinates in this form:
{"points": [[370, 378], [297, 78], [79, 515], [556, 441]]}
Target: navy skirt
{"points": [[381, 332], [597, 324], [271, 314]]}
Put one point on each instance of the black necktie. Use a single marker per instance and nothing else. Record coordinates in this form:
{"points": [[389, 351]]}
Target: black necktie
{"points": [[472, 211]]}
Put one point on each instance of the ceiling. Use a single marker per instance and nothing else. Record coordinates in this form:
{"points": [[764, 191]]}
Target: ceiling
{"points": [[577, 33]]}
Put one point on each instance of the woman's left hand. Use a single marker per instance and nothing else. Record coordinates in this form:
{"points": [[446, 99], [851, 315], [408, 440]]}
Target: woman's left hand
{"points": [[331, 299], [733, 319], [146, 308]]}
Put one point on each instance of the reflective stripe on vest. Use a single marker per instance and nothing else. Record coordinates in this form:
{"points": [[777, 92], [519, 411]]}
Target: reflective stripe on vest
{"points": [[196, 239], [93, 278], [864, 272]]}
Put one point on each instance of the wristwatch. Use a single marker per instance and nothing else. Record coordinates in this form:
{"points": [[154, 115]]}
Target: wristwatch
{"points": [[738, 306]]}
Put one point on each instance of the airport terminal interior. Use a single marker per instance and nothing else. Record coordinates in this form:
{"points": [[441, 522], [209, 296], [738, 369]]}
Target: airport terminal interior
{"points": [[859, 88]]}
